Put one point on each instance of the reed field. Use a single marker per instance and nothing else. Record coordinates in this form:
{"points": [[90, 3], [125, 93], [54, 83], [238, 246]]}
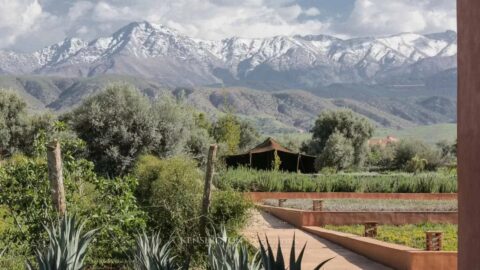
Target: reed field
{"points": [[244, 179]]}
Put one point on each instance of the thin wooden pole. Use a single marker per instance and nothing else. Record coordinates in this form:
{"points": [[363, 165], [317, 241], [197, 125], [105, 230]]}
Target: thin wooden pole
{"points": [[298, 162], [55, 174], [207, 191]]}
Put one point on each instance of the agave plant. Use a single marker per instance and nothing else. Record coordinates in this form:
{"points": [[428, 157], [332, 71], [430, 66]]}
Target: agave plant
{"points": [[152, 254], [269, 261], [224, 254], [67, 246]]}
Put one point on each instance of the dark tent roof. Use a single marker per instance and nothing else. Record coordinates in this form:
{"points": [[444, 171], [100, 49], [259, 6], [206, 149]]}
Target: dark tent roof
{"points": [[262, 155], [269, 145]]}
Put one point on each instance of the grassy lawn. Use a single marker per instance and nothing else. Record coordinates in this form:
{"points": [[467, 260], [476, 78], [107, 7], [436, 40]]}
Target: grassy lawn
{"points": [[408, 235], [371, 205]]}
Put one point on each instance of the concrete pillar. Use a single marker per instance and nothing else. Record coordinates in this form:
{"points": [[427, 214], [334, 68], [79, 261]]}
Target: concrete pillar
{"points": [[371, 229], [281, 202], [317, 205], [433, 241], [468, 17]]}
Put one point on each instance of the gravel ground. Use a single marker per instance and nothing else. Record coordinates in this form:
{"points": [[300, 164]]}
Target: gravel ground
{"points": [[370, 205]]}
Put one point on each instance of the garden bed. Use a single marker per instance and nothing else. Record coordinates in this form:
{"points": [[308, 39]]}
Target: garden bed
{"points": [[350, 205], [408, 235]]}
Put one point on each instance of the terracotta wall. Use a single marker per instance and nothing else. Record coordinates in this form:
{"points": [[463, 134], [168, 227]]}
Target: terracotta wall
{"points": [[312, 218], [395, 256], [258, 196]]}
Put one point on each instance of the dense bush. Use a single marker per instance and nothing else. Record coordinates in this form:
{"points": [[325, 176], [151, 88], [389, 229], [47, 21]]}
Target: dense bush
{"points": [[109, 204], [243, 179], [408, 150], [171, 191]]}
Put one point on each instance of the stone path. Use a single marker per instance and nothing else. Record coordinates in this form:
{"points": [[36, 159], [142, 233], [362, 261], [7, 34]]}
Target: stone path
{"points": [[317, 249]]}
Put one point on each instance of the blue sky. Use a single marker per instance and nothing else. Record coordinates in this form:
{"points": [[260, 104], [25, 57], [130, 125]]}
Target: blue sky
{"points": [[27, 25]]}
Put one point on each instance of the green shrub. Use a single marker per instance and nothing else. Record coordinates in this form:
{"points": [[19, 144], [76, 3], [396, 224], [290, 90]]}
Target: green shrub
{"points": [[229, 208], [171, 192], [109, 204]]}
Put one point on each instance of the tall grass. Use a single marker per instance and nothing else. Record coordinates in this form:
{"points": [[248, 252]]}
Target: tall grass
{"points": [[244, 179]]}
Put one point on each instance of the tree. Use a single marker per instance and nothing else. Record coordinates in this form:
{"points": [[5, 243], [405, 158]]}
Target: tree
{"points": [[181, 130], [407, 150], [337, 153], [248, 135], [235, 133], [13, 123], [227, 130], [117, 127], [355, 130]]}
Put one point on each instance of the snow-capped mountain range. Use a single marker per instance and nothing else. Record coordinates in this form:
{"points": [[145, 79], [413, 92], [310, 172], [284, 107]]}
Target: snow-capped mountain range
{"points": [[160, 53]]}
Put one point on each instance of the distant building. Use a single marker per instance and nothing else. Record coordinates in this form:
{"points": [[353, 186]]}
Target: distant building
{"points": [[383, 141], [262, 157]]}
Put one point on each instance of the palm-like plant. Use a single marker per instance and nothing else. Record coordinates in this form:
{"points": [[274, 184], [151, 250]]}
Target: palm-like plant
{"points": [[224, 254], [269, 261], [152, 254], [67, 246]]}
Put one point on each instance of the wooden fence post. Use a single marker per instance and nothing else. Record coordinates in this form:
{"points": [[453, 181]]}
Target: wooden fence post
{"points": [[317, 205], [371, 229], [433, 240], [55, 175], [207, 190]]}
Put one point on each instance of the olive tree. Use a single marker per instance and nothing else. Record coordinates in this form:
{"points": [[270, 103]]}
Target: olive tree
{"points": [[355, 130], [180, 130], [338, 153], [117, 127], [13, 123]]}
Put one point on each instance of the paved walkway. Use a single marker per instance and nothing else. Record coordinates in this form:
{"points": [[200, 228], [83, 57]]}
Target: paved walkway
{"points": [[317, 249]]}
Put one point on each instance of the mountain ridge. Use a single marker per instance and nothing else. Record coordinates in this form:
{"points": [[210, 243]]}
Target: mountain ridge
{"points": [[163, 54]]}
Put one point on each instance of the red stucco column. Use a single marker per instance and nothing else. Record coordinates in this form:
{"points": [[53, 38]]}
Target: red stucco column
{"points": [[468, 16]]}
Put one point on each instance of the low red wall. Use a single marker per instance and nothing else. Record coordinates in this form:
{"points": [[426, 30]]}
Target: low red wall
{"points": [[258, 196], [315, 218], [392, 255]]}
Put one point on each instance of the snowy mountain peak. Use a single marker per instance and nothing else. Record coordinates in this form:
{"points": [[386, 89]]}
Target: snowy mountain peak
{"points": [[157, 51]]}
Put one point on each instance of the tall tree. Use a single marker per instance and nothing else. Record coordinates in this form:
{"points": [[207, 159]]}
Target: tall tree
{"points": [[355, 129]]}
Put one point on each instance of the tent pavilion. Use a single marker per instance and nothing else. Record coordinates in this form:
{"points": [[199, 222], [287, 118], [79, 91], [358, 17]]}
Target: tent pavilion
{"points": [[262, 157]]}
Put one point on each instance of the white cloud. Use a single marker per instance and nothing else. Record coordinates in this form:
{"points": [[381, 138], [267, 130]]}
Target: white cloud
{"points": [[312, 12], [380, 17], [30, 24], [17, 18]]}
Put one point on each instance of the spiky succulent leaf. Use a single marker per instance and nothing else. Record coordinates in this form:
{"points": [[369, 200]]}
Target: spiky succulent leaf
{"points": [[67, 246], [152, 254]]}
